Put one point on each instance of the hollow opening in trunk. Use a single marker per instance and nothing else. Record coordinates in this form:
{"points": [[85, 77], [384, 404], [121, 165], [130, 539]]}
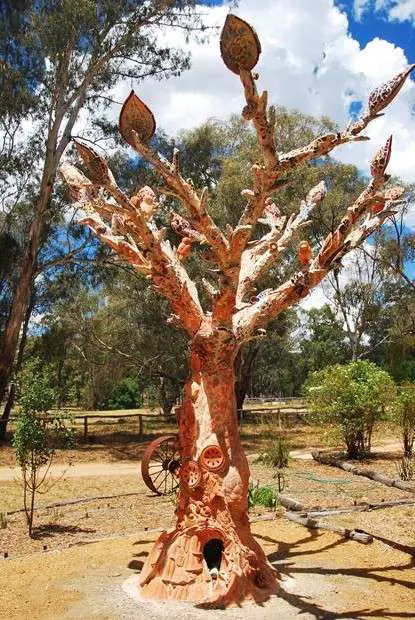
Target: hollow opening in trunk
{"points": [[212, 552]]}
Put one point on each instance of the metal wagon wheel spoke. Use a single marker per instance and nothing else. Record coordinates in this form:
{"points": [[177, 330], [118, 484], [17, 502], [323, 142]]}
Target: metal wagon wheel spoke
{"points": [[160, 465]]}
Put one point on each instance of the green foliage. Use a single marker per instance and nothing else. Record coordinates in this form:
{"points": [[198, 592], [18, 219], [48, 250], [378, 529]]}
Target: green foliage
{"points": [[276, 454], [354, 397], [261, 496], [38, 432], [125, 395], [403, 413], [323, 343]]}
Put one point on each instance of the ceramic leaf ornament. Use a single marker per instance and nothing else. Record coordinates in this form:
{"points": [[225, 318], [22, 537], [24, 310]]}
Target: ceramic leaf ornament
{"points": [[97, 167], [239, 45], [381, 159], [383, 95], [136, 116]]}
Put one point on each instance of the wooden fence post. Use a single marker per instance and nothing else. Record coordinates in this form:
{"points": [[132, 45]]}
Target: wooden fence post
{"points": [[85, 427], [141, 426]]}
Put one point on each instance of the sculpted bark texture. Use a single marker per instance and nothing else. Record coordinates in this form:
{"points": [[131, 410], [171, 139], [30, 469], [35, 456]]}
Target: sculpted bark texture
{"points": [[210, 556], [212, 500]]}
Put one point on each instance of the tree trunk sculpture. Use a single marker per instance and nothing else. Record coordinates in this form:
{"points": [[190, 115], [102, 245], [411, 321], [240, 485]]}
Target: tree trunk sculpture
{"points": [[211, 555]]}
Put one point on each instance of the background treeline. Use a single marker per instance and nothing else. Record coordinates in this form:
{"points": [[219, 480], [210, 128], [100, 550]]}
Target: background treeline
{"points": [[96, 324]]}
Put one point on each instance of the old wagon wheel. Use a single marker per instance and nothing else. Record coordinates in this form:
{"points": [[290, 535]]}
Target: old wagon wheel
{"points": [[160, 465]]}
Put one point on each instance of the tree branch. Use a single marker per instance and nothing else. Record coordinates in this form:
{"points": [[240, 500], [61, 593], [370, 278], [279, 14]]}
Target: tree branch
{"points": [[195, 205], [345, 238]]}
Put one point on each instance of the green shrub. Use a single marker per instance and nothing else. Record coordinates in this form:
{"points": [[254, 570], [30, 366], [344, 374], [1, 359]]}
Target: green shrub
{"points": [[262, 496], [276, 454], [353, 396], [38, 432], [125, 395]]}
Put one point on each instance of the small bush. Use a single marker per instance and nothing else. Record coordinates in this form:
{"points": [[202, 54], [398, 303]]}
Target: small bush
{"points": [[38, 431], [353, 396], [277, 454], [261, 496], [125, 395]]}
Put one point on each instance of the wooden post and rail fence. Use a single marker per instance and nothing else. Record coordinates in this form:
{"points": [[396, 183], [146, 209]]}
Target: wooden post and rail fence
{"points": [[247, 414]]}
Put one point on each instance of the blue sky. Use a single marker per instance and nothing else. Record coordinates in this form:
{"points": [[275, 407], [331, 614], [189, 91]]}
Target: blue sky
{"points": [[378, 23], [321, 57], [373, 22]]}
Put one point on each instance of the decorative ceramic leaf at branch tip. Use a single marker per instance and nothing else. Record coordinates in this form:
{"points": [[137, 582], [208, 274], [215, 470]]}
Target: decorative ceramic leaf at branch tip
{"points": [[239, 45], [136, 116], [384, 94], [381, 159], [96, 165]]}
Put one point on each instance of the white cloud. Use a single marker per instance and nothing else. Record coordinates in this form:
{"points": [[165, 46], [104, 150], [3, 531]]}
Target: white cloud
{"points": [[309, 61], [393, 10], [359, 8], [402, 10]]}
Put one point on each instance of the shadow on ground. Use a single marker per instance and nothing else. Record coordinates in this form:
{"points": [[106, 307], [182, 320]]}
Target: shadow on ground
{"points": [[49, 530]]}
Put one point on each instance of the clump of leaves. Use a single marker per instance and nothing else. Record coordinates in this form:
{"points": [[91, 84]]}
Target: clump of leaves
{"points": [[353, 397], [406, 468], [261, 496], [38, 432], [125, 395]]}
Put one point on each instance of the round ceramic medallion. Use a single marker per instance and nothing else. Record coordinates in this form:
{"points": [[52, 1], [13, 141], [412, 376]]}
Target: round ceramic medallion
{"points": [[212, 458], [190, 474]]}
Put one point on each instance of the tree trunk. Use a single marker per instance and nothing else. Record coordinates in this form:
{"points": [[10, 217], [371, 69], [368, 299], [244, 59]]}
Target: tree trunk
{"points": [[12, 387], [244, 361], [21, 297], [211, 556], [360, 471]]}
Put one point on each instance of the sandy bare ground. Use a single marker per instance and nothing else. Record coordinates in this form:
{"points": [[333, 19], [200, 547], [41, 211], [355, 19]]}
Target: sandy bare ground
{"points": [[79, 470], [320, 576], [128, 468]]}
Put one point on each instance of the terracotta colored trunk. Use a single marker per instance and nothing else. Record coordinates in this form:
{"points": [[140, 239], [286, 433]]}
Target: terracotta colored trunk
{"points": [[211, 555]]}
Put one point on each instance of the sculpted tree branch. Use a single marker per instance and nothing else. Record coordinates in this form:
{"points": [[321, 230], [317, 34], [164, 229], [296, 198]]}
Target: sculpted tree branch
{"points": [[213, 472]]}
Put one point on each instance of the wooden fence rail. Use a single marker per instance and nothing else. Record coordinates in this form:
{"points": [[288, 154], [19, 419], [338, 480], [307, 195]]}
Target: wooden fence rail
{"points": [[261, 413]]}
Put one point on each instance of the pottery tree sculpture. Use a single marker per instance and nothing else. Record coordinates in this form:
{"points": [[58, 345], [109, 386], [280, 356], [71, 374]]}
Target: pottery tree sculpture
{"points": [[211, 556]]}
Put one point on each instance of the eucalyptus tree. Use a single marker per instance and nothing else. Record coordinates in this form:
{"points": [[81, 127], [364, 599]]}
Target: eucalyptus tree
{"points": [[83, 49]]}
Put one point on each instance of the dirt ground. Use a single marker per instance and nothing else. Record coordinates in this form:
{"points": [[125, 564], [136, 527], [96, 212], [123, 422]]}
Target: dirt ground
{"points": [[87, 550], [320, 576], [103, 469]]}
